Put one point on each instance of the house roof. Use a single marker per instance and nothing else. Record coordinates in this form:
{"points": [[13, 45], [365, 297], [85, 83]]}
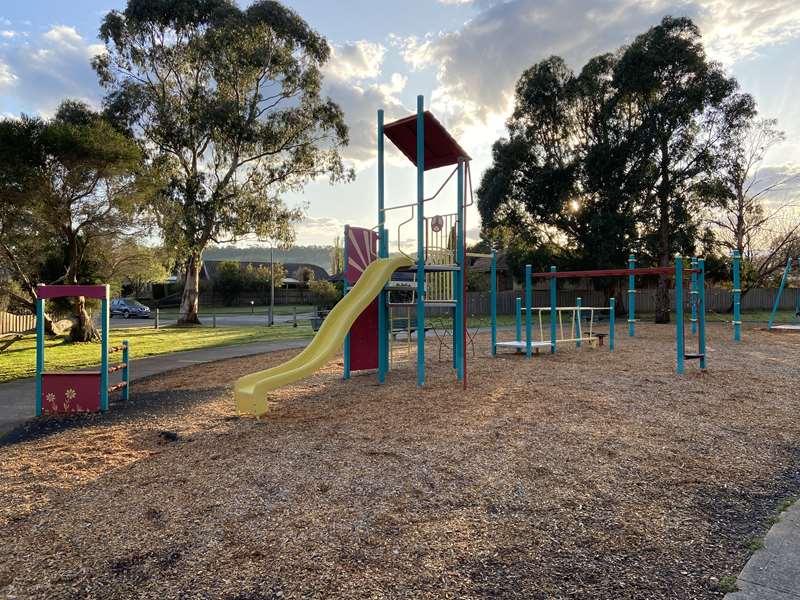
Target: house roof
{"points": [[440, 147], [485, 264]]}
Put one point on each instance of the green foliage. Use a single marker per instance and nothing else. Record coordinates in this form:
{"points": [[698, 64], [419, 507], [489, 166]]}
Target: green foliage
{"points": [[231, 100], [228, 282], [477, 281], [324, 294]]}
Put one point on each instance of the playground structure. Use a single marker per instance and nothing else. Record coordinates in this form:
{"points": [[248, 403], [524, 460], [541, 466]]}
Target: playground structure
{"points": [[365, 318], [578, 335], [787, 272], [68, 392]]}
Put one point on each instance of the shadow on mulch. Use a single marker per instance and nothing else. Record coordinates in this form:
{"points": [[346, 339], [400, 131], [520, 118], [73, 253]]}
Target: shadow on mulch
{"points": [[150, 404]]}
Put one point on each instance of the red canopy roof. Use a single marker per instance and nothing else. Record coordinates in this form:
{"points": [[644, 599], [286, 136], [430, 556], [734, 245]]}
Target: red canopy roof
{"points": [[440, 147]]}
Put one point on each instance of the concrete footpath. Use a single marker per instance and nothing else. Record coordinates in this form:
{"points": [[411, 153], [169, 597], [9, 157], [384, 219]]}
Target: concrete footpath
{"points": [[773, 572], [17, 398]]}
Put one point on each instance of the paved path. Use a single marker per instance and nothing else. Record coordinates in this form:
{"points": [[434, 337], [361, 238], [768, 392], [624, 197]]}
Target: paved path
{"points": [[17, 403], [773, 573]]}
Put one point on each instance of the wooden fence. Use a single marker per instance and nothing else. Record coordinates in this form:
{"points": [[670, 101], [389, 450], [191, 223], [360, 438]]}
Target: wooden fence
{"points": [[717, 299], [11, 323]]}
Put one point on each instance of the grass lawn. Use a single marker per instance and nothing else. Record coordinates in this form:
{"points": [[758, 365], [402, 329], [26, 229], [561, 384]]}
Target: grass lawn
{"points": [[206, 311], [20, 360]]}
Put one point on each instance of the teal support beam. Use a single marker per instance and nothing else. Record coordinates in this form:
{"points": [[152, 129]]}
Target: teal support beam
{"points": [[383, 252], [631, 297], [693, 295], [528, 310], [420, 241], [126, 379], [701, 312], [775, 306], [39, 353], [578, 331], [679, 342], [104, 350], [345, 289], [737, 297], [458, 276], [553, 310], [612, 308], [493, 293], [519, 321]]}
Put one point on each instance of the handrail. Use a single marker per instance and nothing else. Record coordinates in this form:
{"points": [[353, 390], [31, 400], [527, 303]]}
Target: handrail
{"points": [[441, 187]]}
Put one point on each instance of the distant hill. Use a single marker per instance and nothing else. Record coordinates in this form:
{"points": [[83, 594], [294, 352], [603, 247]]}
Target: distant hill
{"points": [[315, 255]]}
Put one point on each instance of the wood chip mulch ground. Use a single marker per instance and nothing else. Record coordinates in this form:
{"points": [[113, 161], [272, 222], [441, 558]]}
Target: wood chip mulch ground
{"points": [[581, 475]]}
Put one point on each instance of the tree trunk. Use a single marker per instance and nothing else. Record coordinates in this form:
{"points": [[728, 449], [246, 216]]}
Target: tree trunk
{"points": [[191, 292], [662, 293], [83, 329]]}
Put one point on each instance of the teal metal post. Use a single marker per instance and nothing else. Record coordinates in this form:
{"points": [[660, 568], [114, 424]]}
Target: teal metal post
{"points": [[420, 241], [493, 294], [125, 371], [519, 321], [578, 331], [786, 272], [383, 252], [631, 297], [104, 350], [680, 346], [528, 309], [553, 309], [39, 353], [737, 297], [612, 308], [701, 312], [345, 286], [458, 276], [693, 295]]}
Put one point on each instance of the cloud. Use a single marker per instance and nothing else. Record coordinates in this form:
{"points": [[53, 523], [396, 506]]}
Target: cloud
{"points": [[355, 60], [7, 76], [46, 69], [353, 80], [477, 65]]}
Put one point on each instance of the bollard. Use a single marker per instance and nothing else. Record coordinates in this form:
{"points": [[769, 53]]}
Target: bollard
{"points": [[158, 310], [214, 319]]}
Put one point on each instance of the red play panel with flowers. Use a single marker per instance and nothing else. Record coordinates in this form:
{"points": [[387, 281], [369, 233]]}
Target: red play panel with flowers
{"points": [[65, 393]]}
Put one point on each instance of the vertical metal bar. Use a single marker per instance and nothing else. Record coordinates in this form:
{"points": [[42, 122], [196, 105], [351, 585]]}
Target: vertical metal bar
{"points": [[701, 310], [578, 332], [158, 315], [679, 343], [553, 310], [383, 252], [420, 241], [39, 351], [631, 297], [737, 297], [125, 371], [612, 308], [458, 293], [294, 315], [780, 293], [104, 349], [345, 286], [519, 321], [493, 293], [693, 295], [528, 309]]}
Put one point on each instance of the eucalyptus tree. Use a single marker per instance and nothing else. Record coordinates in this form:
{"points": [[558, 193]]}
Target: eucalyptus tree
{"points": [[229, 101], [683, 105]]}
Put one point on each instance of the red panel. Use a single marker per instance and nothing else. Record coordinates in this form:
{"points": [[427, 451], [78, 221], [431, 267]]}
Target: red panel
{"points": [[70, 291], [67, 393], [440, 147], [362, 249], [364, 340]]}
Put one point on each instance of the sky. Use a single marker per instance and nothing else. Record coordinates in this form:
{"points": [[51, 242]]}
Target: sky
{"points": [[464, 56]]}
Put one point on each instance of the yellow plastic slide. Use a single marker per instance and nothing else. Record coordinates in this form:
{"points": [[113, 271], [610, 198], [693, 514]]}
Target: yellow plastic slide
{"points": [[251, 390]]}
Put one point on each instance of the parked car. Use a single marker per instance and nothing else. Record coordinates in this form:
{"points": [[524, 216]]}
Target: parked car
{"points": [[128, 307]]}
